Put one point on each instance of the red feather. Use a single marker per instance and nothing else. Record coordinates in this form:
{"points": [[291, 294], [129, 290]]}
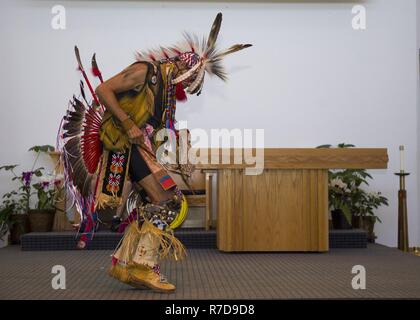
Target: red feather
{"points": [[96, 72], [180, 92], [91, 144]]}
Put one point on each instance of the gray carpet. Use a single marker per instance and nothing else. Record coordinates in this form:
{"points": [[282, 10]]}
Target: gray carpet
{"points": [[210, 274]]}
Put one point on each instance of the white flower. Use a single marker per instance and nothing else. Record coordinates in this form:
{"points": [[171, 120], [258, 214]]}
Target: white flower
{"points": [[337, 182], [45, 179], [374, 195], [50, 178]]}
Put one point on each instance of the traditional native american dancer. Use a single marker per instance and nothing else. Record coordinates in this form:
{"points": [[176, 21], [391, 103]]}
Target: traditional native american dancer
{"points": [[109, 152]]}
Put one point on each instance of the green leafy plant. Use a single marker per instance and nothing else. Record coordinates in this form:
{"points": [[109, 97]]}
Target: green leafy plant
{"points": [[46, 194], [368, 203], [45, 188], [346, 192], [6, 221]]}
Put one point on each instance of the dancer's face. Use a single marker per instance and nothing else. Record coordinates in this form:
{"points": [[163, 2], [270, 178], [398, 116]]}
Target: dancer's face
{"points": [[181, 68]]}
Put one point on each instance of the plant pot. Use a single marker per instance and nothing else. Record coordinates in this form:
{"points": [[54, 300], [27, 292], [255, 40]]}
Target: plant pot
{"points": [[4, 239], [41, 220], [339, 221], [368, 224], [355, 222], [19, 228]]}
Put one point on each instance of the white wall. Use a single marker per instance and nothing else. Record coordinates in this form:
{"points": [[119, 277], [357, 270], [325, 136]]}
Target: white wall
{"points": [[418, 23], [310, 78], [418, 96]]}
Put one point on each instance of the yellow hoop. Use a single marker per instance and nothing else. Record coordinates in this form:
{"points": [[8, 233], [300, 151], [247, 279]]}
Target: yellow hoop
{"points": [[182, 214]]}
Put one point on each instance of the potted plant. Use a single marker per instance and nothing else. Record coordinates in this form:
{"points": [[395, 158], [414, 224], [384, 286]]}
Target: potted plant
{"points": [[364, 210], [32, 182], [351, 205], [18, 201], [339, 199], [41, 218], [5, 224]]}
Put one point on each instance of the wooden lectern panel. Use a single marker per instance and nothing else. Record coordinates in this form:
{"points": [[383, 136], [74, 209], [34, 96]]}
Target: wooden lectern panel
{"points": [[279, 210], [297, 158]]}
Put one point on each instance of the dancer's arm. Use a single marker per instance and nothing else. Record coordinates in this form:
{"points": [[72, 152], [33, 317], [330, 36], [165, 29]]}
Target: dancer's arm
{"points": [[131, 77]]}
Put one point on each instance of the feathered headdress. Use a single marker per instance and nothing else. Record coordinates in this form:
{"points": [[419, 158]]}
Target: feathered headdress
{"points": [[200, 56]]}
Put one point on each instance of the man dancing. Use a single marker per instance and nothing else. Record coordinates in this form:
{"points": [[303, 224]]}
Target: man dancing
{"points": [[109, 151]]}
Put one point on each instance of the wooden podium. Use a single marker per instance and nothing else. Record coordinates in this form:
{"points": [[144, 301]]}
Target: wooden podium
{"points": [[286, 207]]}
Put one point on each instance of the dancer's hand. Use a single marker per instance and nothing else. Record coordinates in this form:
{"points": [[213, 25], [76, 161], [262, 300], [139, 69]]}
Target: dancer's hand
{"points": [[134, 134]]}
